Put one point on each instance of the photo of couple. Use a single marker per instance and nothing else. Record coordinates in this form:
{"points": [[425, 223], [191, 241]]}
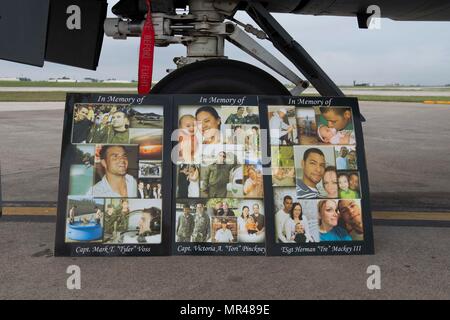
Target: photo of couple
{"points": [[205, 125], [318, 177], [307, 221]]}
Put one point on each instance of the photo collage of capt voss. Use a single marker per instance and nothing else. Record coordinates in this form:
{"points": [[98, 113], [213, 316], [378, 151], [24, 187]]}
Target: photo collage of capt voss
{"points": [[115, 190], [315, 175], [219, 178]]}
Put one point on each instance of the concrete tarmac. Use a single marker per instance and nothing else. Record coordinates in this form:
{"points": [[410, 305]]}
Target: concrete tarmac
{"points": [[408, 160], [413, 261]]}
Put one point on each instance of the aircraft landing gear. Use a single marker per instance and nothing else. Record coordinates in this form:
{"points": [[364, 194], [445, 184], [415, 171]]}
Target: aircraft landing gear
{"points": [[206, 69]]}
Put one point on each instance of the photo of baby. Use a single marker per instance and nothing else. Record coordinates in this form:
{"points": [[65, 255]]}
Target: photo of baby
{"points": [[332, 136], [335, 125], [188, 140]]}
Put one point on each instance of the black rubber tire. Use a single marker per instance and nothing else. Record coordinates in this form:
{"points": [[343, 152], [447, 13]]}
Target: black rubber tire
{"points": [[220, 76]]}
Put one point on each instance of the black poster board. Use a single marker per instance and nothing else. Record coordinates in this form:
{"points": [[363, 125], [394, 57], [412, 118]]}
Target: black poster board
{"points": [[212, 175], [112, 146], [64, 40], [316, 182], [217, 151]]}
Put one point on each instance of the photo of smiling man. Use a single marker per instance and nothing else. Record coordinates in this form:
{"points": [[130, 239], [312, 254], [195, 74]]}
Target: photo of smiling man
{"points": [[116, 182], [351, 214], [313, 162]]}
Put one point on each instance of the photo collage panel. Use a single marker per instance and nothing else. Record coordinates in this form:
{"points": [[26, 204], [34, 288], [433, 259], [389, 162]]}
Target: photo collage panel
{"points": [[212, 175], [219, 176], [315, 177], [115, 190]]}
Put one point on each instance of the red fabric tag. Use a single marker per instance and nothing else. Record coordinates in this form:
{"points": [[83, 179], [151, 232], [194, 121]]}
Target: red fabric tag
{"points": [[146, 52]]}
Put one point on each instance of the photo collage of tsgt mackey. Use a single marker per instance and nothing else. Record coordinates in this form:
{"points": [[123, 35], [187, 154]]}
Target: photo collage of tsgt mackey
{"points": [[315, 178], [115, 194], [219, 178]]}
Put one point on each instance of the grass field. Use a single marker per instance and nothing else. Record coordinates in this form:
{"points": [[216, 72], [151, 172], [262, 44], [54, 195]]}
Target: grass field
{"points": [[15, 96], [45, 84], [19, 96]]}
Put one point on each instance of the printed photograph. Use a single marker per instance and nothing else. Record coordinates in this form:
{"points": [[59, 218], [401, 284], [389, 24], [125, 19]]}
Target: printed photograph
{"points": [[209, 124], [189, 137], [150, 143], [188, 181], [224, 230], [346, 158], [335, 125], [252, 145], [253, 181], [193, 223], [101, 124], [149, 189], [307, 126], [283, 126], [221, 180], [219, 173], [115, 172], [148, 117], [251, 221], [240, 115], [84, 221], [132, 221], [349, 185], [150, 169], [283, 166], [332, 226], [296, 221], [311, 163], [231, 153], [222, 207], [82, 170], [350, 211]]}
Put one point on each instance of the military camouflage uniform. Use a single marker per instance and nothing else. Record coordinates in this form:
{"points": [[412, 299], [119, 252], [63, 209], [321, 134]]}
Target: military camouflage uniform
{"points": [[215, 179], [251, 119], [110, 220], [201, 228], [234, 119], [185, 227], [99, 134], [118, 137]]}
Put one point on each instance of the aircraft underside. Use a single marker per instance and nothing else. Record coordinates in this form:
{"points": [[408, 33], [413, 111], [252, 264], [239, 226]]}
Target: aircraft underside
{"points": [[203, 28]]}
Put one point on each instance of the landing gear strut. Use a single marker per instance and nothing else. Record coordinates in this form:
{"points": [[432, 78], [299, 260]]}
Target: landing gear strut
{"points": [[205, 68]]}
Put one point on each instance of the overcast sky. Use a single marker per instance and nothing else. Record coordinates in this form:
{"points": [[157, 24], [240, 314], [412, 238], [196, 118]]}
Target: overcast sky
{"points": [[400, 52]]}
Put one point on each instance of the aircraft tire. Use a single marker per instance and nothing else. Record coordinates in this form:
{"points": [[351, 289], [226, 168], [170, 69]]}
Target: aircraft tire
{"points": [[220, 76]]}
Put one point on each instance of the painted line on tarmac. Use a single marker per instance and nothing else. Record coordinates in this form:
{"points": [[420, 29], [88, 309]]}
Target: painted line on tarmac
{"points": [[29, 211], [436, 102]]}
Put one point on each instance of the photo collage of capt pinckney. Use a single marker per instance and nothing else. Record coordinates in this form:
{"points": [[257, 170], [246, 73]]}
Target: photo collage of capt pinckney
{"points": [[186, 175]]}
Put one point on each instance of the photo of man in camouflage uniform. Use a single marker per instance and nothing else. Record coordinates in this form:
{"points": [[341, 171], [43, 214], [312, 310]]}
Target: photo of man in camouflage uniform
{"points": [[185, 225], [202, 225]]}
